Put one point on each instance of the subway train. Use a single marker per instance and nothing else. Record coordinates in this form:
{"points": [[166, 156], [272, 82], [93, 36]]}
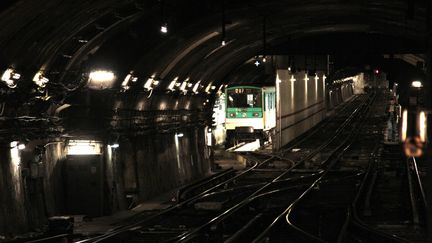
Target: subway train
{"points": [[250, 113]]}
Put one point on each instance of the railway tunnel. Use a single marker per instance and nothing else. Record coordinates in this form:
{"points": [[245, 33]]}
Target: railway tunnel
{"points": [[108, 126]]}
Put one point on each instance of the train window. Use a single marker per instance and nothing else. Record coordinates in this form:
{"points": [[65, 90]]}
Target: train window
{"points": [[244, 98]]}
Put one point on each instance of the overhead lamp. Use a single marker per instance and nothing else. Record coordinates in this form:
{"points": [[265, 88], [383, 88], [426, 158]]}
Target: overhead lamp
{"points": [[257, 63], [416, 84], [164, 28], [148, 84], [40, 80], [196, 86], [128, 78], [101, 79], [10, 77], [223, 43], [292, 79], [115, 145], [306, 78], [264, 59], [84, 147], [189, 85], [316, 78], [172, 84], [207, 89], [179, 135], [184, 84], [21, 146]]}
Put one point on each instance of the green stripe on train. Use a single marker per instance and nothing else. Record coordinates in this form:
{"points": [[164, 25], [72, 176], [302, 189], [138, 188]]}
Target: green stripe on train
{"points": [[244, 112]]}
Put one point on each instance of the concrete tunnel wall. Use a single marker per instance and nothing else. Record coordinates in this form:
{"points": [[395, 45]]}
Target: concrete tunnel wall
{"points": [[300, 105]]}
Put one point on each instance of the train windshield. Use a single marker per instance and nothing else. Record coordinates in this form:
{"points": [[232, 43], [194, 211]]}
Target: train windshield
{"points": [[244, 98]]}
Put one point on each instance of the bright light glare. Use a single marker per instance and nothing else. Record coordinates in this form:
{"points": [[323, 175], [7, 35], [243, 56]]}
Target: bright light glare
{"points": [[404, 124], [196, 86], [292, 79], [223, 43], [115, 145], [172, 84], [101, 79], [10, 77], [179, 135], [21, 146], [164, 29], [14, 153], [416, 84], [101, 76], [126, 80], [83, 147], [422, 126], [148, 83], [40, 80]]}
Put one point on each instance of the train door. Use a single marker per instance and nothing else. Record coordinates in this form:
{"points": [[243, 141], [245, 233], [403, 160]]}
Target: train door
{"points": [[83, 187]]}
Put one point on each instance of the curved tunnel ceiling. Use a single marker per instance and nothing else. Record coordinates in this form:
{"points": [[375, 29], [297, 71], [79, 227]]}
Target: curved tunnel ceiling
{"points": [[67, 39], [124, 35]]}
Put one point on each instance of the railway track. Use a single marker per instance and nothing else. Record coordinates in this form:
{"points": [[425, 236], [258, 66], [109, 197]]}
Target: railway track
{"points": [[227, 211]]}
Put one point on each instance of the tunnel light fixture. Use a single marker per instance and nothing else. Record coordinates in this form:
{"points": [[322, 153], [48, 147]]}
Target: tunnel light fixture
{"points": [[179, 135], [207, 89], [416, 84], [129, 78], [223, 43], [306, 78], [213, 87], [316, 78], [84, 147], [10, 77], [264, 59], [101, 79], [40, 80], [14, 154], [151, 83], [257, 63], [172, 84], [292, 79], [184, 85], [115, 145], [195, 87], [164, 28]]}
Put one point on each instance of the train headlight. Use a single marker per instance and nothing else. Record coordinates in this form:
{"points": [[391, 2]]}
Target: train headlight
{"points": [[232, 115], [256, 114]]}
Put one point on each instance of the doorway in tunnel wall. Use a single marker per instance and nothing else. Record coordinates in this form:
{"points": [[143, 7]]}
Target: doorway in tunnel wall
{"points": [[83, 185]]}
